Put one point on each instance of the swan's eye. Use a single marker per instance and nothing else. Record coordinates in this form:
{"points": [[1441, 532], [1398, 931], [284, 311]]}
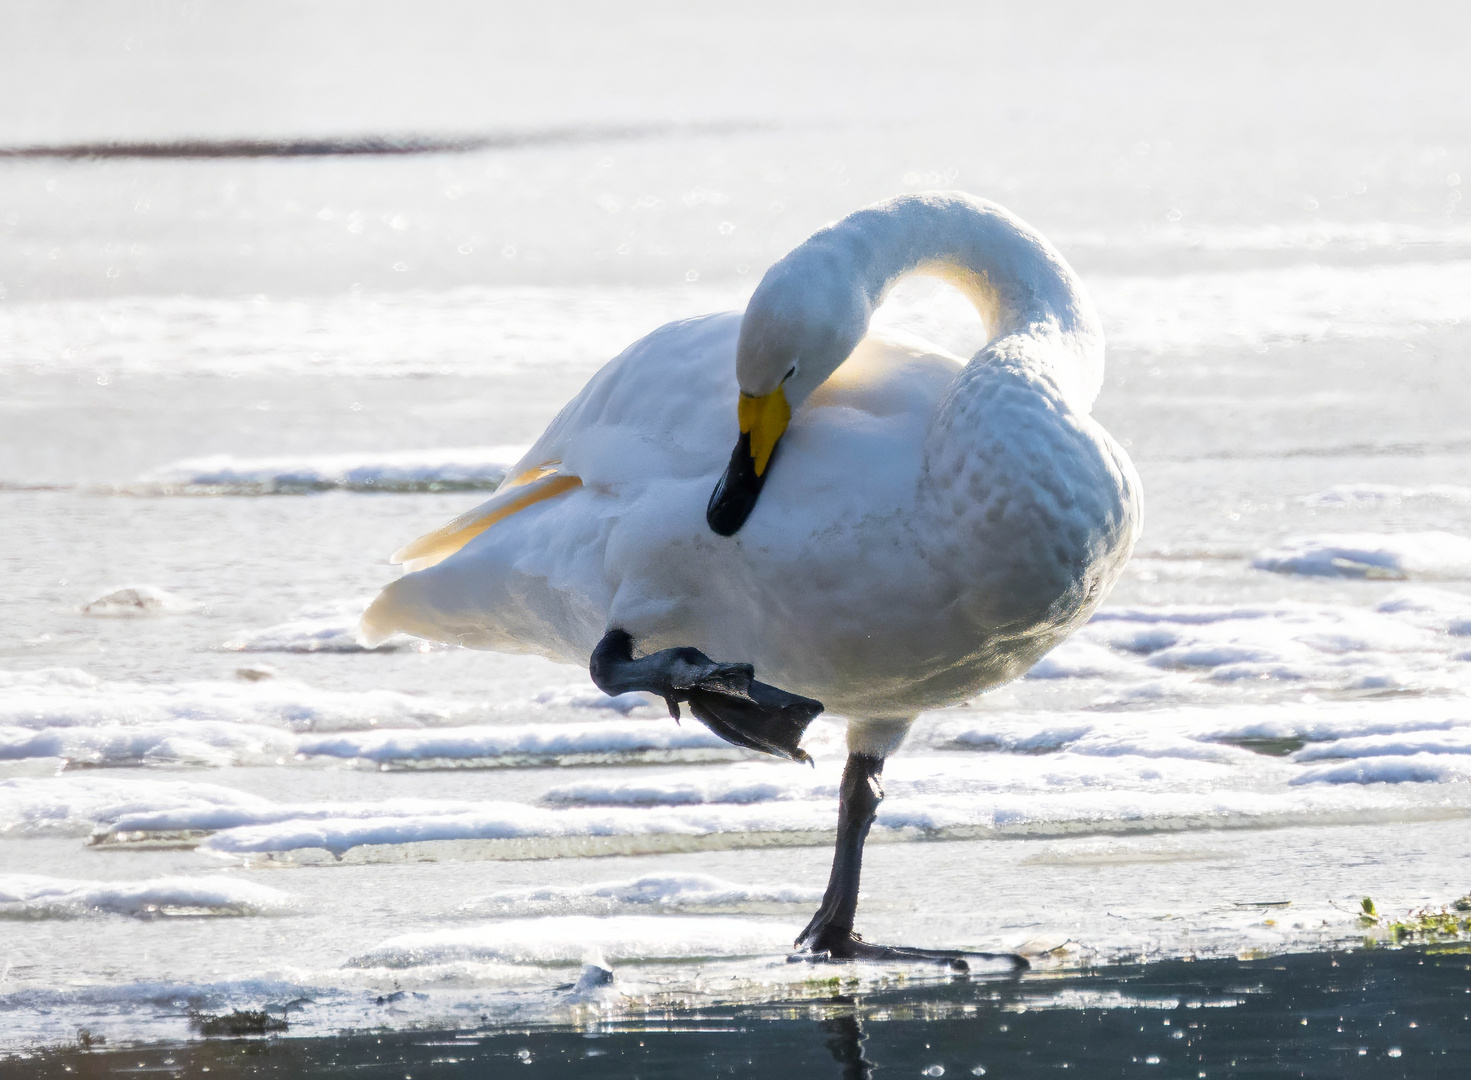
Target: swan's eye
{"points": [[790, 372]]}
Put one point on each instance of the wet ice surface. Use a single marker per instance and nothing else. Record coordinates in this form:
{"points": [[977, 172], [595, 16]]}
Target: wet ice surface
{"points": [[212, 797], [1370, 1013]]}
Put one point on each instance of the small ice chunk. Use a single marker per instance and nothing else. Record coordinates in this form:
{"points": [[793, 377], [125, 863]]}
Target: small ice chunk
{"points": [[135, 601]]}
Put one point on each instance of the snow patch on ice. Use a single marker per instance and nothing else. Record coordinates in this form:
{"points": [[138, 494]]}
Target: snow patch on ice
{"points": [[1079, 658], [207, 743], [741, 784], [1188, 731], [583, 698], [134, 601], [69, 715], [1073, 794], [565, 939], [1175, 651], [1435, 609], [673, 892], [1425, 768], [35, 896], [203, 818], [1396, 744], [1391, 556], [510, 741], [467, 469], [594, 828], [75, 805], [1105, 772]]}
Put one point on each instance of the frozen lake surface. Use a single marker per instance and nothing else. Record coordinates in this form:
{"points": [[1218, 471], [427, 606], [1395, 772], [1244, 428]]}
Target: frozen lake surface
{"points": [[230, 388]]}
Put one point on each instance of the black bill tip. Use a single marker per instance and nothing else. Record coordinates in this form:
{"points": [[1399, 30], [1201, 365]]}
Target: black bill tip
{"points": [[735, 495]]}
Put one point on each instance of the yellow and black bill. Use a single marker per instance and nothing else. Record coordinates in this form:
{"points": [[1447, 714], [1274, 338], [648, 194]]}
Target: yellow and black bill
{"points": [[763, 421]]}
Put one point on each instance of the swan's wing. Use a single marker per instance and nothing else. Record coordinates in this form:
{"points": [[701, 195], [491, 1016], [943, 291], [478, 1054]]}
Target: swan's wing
{"points": [[532, 486], [526, 569], [629, 414]]}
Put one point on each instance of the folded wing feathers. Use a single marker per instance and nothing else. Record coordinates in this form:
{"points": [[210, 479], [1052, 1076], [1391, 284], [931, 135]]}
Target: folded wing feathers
{"points": [[527, 489]]}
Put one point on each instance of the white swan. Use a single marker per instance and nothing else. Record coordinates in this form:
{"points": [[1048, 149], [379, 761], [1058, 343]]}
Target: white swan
{"points": [[907, 529]]}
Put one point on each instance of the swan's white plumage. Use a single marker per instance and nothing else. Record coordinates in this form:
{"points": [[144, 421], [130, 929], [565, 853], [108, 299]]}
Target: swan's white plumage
{"points": [[928, 528]]}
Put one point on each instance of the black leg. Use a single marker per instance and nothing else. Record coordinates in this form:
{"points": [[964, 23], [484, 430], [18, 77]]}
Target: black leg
{"points": [[830, 936], [858, 804], [726, 698]]}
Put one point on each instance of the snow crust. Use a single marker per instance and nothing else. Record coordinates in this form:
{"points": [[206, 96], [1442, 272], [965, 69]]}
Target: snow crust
{"points": [[34, 896], [1036, 774], [465, 469], [1431, 555], [673, 892], [74, 717], [566, 939], [137, 601], [1215, 653]]}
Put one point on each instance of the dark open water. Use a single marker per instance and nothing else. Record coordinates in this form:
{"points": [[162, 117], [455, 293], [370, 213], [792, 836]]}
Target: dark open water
{"points": [[1373, 1013]]}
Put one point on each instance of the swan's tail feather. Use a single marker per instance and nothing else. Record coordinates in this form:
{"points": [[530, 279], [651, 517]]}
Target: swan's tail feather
{"points": [[382, 619], [528, 489], [404, 606]]}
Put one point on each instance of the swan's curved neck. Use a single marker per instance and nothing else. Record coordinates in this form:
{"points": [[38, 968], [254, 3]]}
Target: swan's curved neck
{"points": [[1018, 282]]}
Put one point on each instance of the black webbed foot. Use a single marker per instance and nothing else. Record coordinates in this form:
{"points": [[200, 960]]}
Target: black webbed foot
{"points": [[763, 718], [726, 698], [831, 945]]}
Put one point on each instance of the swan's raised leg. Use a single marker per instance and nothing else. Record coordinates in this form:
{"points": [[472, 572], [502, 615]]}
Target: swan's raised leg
{"points": [[726, 698], [830, 936]]}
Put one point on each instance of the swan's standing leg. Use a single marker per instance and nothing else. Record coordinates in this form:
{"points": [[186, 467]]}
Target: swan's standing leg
{"points": [[726, 698], [830, 936], [859, 795]]}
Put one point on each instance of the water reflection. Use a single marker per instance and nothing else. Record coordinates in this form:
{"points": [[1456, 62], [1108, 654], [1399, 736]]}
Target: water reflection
{"points": [[845, 1043], [1373, 1013]]}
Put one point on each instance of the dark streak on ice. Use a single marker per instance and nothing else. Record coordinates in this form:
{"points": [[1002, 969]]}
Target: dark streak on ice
{"points": [[362, 145]]}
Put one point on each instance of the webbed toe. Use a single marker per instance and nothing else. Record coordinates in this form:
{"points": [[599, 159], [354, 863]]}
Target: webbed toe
{"points": [[764, 718]]}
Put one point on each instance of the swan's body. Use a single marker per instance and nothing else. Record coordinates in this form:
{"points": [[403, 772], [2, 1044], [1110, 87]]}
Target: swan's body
{"points": [[928, 529]]}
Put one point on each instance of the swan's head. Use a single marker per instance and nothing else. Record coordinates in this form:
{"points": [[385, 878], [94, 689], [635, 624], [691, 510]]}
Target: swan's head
{"points": [[803, 321]]}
